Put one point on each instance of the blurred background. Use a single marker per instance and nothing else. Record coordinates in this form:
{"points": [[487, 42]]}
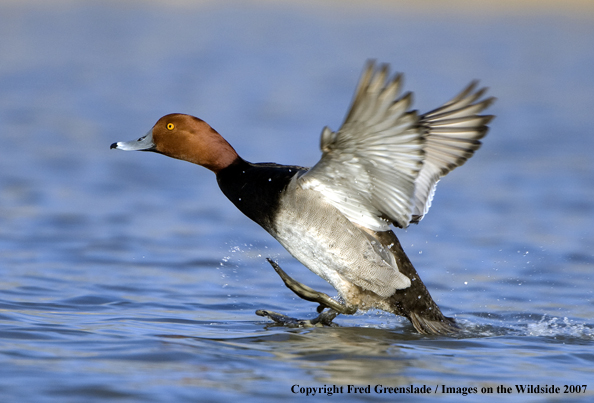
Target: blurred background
{"points": [[130, 275]]}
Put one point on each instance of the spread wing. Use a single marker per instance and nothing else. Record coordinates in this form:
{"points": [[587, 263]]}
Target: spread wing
{"points": [[368, 167], [452, 134], [382, 165]]}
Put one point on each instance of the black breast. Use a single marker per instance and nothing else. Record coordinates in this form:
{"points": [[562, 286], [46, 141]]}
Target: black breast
{"points": [[255, 189]]}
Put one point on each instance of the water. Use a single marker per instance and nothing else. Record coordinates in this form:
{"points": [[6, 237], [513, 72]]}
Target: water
{"points": [[129, 276]]}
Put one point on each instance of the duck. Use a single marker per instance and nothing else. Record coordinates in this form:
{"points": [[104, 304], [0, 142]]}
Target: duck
{"points": [[377, 172]]}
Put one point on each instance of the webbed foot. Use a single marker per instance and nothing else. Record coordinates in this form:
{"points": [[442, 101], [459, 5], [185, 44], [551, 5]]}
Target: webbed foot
{"points": [[323, 319]]}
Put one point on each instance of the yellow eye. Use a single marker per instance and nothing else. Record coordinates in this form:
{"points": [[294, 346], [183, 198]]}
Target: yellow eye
{"points": [[170, 126]]}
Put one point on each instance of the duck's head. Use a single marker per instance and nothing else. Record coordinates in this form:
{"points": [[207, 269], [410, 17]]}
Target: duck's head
{"points": [[186, 138]]}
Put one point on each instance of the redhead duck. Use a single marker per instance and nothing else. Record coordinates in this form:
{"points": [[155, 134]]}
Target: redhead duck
{"points": [[379, 169]]}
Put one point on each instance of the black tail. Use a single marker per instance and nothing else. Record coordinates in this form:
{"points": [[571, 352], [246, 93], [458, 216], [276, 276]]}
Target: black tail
{"points": [[443, 325], [415, 302]]}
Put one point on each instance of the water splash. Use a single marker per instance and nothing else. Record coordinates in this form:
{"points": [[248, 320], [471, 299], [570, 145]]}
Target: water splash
{"points": [[553, 327], [522, 326]]}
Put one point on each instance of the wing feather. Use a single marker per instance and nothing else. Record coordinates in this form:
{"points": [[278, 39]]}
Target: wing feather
{"points": [[381, 167], [452, 136]]}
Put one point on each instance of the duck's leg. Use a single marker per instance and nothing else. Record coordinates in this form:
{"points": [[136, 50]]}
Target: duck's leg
{"points": [[308, 294]]}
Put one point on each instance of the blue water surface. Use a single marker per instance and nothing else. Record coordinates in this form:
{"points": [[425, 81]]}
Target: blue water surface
{"points": [[130, 277]]}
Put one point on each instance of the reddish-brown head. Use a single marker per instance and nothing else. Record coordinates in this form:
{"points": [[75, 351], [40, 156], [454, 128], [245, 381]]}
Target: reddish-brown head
{"points": [[186, 138]]}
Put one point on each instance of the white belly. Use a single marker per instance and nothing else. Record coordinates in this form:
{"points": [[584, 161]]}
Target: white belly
{"points": [[327, 243]]}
